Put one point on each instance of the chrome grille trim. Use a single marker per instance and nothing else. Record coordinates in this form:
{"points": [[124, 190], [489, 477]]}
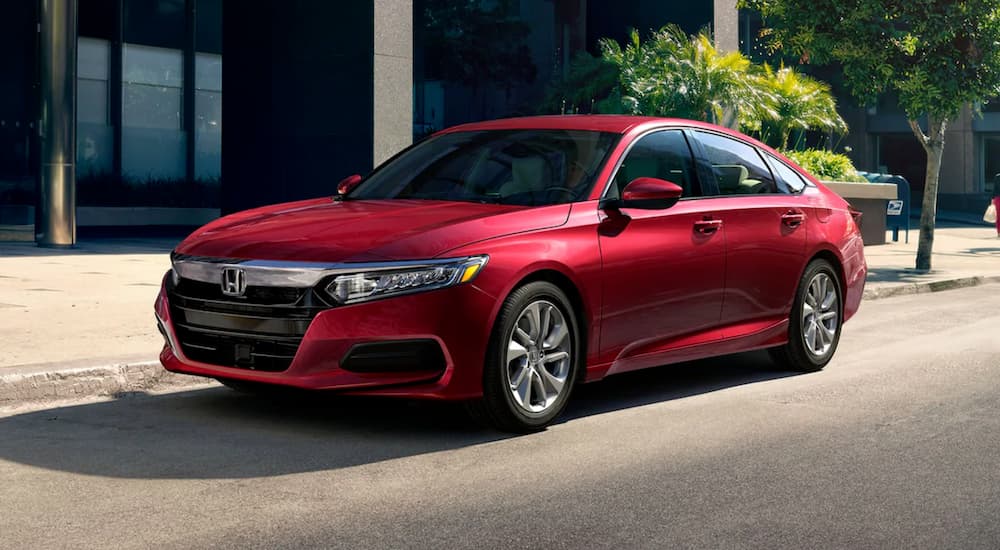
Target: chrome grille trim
{"points": [[285, 273]]}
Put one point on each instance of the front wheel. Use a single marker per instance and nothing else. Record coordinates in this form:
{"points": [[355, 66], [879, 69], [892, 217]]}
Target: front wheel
{"points": [[532, 362], [815, 322]]}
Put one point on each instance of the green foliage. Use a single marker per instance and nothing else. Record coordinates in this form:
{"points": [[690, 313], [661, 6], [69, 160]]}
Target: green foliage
{"points": [[826, 165], [938, 55], [676, 75], [798, 102], [672, 74], [589, 87]]}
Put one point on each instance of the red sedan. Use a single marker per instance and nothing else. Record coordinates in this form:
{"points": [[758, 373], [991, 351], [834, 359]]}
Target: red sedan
{"points": [[504, 262]]}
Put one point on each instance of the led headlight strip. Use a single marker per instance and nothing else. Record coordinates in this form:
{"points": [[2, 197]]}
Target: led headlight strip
{"points": [[370, 285]]}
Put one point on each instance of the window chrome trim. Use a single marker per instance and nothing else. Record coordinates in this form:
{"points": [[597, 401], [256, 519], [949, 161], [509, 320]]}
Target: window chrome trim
{"points": [[291, 274], [621, 159]]}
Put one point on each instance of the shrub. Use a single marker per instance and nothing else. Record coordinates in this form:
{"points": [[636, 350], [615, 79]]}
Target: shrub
{"points": [[826, 165]]}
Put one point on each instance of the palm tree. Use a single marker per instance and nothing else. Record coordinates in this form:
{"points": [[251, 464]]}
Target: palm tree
{"points": [[672, 74], [799, 102]]}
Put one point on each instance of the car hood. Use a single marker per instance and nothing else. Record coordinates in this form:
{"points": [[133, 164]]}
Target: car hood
{"points": [[323, 230]]}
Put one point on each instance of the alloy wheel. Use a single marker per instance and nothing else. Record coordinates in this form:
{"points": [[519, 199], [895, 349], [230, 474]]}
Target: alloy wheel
{"points": [[820, 312], [538, 356]]}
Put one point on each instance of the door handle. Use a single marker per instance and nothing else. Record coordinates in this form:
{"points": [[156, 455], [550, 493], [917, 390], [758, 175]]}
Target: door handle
{"points": [[793, 219], [707, 227]]}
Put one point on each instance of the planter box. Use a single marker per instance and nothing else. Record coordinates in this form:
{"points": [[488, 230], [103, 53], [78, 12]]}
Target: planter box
{"points": [[871, 199]]}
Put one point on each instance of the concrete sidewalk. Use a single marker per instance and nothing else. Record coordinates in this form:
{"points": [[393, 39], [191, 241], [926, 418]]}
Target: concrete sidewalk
{"points": [[80, 322]]}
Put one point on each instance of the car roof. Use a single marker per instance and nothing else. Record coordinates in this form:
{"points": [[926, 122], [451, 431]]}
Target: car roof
{"points": [[618, 124]]}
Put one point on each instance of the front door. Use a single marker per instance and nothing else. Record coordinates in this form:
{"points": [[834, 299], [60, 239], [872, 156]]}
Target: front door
{"points": [[663, 270]]}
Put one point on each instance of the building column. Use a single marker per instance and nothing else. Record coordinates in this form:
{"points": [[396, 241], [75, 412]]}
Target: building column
{"points": [[726, 25], [55, 214], [392, 78]]}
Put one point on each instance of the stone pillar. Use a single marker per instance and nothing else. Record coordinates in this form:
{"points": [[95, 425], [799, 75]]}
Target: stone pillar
{"points": [[392, 78], [726, 25], [55, 214]]}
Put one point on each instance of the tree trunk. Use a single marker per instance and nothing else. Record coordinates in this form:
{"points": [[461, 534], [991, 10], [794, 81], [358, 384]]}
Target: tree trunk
{"points": [[933, 143]]}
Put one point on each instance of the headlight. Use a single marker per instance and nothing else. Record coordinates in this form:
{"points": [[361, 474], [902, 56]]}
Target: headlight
{"points": [[370, 285]]}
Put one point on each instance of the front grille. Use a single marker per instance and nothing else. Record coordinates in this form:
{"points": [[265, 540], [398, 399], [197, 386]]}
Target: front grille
{"points": [[261, 330]]}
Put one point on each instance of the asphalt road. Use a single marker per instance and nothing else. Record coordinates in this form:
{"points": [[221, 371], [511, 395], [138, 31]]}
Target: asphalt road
{"points": [[896, 444]]}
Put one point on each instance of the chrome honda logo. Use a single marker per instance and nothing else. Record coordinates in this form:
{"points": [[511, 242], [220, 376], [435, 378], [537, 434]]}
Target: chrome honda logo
{"points": [[234, 281]]}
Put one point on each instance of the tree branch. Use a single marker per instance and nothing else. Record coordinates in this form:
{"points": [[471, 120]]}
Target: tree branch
{"points": [[921, 136]]}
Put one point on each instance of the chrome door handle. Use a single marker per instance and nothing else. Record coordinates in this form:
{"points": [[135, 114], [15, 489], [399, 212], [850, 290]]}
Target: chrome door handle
{"points": [[707, 227], [793, 219]]}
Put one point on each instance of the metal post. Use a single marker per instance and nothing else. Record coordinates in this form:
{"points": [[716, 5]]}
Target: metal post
{"points": [[55, 215]]}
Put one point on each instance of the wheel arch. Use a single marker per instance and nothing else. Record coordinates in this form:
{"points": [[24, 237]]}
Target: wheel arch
{"points": [[834, 260], [580, 312]]}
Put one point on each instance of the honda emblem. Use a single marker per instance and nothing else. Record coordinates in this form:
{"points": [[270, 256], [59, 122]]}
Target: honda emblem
{"points": [[234, 281]]}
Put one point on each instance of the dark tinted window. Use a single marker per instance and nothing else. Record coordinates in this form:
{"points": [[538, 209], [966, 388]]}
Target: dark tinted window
{"points": [[738, 167], [155, 22], [525, 167], [664, 155], [789, 181]]}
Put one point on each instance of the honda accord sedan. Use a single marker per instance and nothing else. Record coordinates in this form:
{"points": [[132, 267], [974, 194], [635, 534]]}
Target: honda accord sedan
{"points": [[503, 263]]}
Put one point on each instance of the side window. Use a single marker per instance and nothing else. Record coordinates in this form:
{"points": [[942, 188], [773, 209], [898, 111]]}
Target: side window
{"points": [[738, 167], [664, 155], [789, 181]]}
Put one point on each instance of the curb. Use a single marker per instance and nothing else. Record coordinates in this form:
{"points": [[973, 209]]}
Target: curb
{"points": [[111, 380], [929, 286]]}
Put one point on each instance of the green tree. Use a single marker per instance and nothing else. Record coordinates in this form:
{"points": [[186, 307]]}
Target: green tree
{"points": [[798, 102], [937, 55]]}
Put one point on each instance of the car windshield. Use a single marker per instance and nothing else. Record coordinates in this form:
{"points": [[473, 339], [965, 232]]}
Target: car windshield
{"points": [[522, 167]]}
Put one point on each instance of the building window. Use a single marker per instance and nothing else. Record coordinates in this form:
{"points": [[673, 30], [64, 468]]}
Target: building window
{"points": [[991, 162], [153, 139], [94, 137], [208, 116]]}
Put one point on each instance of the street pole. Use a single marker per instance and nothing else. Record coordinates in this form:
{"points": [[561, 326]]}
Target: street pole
{"points": [[55, 214]]}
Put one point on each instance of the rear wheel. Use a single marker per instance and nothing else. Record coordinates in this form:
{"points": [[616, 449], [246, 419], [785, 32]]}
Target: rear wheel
{"points": [[815, 322], [532, 362]]}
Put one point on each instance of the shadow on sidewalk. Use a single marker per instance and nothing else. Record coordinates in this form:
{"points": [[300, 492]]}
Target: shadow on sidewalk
{"points": [[216, 433], [896, 275]]}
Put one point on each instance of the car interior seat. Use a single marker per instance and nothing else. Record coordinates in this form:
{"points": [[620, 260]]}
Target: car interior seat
{"points": [[729, 177], [528, 175]]}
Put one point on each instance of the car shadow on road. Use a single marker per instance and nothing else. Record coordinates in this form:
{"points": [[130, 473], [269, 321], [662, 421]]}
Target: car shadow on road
{"points": [[216, 433]]}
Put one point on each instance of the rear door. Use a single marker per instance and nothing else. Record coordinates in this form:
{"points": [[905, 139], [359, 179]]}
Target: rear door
{"points": [[765, 228]]}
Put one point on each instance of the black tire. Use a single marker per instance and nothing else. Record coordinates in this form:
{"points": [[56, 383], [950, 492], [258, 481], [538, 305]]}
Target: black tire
{"points": [[498, 408], [797, 355]]}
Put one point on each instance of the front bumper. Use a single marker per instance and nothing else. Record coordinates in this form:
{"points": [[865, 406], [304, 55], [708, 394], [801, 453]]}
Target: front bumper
{"points": [[456, 319]]}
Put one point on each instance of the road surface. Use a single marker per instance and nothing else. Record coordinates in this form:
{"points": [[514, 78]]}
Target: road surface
{"points": [[896, 443]]}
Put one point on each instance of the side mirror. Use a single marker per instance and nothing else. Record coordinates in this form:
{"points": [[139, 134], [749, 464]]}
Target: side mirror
{"points": [[649, 194], [347, 184]]}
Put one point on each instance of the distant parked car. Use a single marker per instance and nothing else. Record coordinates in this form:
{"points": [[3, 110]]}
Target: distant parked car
{"points": [[504, 262]]}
